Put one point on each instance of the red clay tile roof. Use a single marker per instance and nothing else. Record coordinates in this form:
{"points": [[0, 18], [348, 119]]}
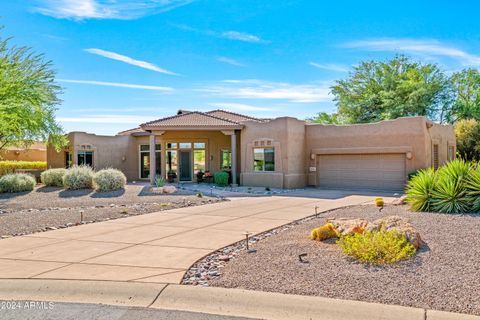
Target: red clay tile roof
{"points": [[193, 119], [232, 116], [130, 131]]}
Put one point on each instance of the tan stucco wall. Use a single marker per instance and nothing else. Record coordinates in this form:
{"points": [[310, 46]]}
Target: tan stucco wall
{"points": [[122, 152], [35, 152], [410, 136], [287, 136], [297, 146]]}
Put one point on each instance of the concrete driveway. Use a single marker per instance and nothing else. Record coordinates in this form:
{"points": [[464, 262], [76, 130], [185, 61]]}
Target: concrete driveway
{"points": [[156, 247]]}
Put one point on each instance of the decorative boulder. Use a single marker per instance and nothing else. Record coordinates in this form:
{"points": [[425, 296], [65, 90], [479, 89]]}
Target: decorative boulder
{"points": [[400, 201], [348, 226], [169, 189], [399, 224]]}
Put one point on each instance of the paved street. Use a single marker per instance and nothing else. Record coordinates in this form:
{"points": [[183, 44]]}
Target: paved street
{"points": [[75, 311]]}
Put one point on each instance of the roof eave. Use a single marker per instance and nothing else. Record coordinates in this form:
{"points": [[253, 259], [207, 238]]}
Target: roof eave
{"points": [[191, 128]]}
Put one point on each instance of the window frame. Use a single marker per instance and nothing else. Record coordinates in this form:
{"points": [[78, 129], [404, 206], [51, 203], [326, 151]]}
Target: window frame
{"points": [[264, 162], [158, 155]]}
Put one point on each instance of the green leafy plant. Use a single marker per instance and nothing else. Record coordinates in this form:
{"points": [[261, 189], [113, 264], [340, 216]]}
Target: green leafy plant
{"points": [[159, 181], [199, 195], [9, 166], [378, 247], [473, 188], [78, 177], [450, 193], [221, 178], [17, 182], [109, 180], [420, 188], [53, 177]]}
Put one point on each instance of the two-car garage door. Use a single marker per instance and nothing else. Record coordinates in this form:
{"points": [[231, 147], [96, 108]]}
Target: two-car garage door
{"points": [[366, 171]]}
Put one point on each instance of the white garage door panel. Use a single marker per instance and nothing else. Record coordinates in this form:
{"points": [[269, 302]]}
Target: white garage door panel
{"points": [[372, 171]]}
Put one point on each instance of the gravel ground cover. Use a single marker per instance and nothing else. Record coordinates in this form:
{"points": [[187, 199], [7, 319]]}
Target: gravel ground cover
{"points": [[443, 275], [52, 208]]}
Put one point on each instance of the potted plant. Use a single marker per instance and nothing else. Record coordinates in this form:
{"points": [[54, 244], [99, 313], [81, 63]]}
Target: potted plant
{"points": [[171, 176], [159, 182], [200, 175]]}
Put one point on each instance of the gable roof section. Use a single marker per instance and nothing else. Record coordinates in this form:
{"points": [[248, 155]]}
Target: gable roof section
{"points": [[191, 120], [232, 116]]}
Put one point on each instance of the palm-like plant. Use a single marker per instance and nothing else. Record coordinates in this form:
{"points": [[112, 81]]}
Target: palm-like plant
{"points": [[473, 188], [420, 188], [450, 192]]}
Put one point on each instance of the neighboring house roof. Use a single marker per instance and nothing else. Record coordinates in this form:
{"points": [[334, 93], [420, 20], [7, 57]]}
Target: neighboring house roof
{"points": [[191, 120]]}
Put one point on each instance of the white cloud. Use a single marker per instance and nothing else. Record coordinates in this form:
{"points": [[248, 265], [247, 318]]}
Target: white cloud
{"points": [[239, 106], [241, 36], [105, 9], [232, 35], [420, 47], [231, 61], [330, 66], [117, 84], [128, 60], [106, 119], [258, 89]]}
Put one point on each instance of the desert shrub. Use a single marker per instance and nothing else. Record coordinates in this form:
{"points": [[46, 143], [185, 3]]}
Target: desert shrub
{"points": [[17, 182], [221, 178], [420, 188], [9, 166], [159, 181], [467, 132], [450, 192], [78, 177], [473, 188], [109, 180], [378, 247], [53, 177]]}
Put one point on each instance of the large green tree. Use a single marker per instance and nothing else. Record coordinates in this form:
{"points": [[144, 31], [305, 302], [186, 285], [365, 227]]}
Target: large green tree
{"points": [[466, 89], [467, 132], [379, 90], [28, 98]]}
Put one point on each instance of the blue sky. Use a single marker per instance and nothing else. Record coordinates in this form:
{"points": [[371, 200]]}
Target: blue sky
{"points": [[125, 62]]}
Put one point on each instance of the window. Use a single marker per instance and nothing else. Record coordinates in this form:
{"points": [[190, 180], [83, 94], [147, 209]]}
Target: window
{"points": [[198, 161], [85, 158], [68, 159], [226, 159], [435, 156], [171, 161], [185, 145], [145, 160], [199, 145], [263, 159], [451, 153]]}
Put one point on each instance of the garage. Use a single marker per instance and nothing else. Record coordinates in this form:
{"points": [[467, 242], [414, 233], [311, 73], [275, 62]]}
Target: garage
{"points": [[365, 171]]}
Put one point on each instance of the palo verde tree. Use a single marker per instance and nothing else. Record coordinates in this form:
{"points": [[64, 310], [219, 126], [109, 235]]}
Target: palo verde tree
{"points": [[379, 90], [28, 98], [466, 90]]}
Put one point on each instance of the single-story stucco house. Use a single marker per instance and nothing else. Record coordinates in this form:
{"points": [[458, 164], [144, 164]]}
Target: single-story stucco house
{"points": [[283, 152]]}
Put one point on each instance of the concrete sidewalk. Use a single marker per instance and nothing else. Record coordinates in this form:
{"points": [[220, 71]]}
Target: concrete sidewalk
{"points": [[156, 247], [215, 301]]}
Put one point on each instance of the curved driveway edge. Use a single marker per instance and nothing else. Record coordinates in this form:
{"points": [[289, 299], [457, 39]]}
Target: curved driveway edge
{"points": [[218, 301]]}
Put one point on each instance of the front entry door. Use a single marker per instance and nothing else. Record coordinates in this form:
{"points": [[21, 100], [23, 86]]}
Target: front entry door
{"points": [[185, 165]]}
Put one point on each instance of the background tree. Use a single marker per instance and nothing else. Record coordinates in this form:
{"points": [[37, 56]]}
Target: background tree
{"points": [[400, 87], [467, 132], [325, 118], [28, 98], [466, 88]]}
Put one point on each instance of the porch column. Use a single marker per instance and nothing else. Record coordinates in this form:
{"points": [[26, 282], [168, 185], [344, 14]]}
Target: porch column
{"points": [[233, 140], [153, 161]]}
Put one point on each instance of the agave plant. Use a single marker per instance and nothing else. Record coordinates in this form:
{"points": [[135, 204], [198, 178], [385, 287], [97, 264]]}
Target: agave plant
{"points": [[419, 190], [450, 192], [473, 188]]}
